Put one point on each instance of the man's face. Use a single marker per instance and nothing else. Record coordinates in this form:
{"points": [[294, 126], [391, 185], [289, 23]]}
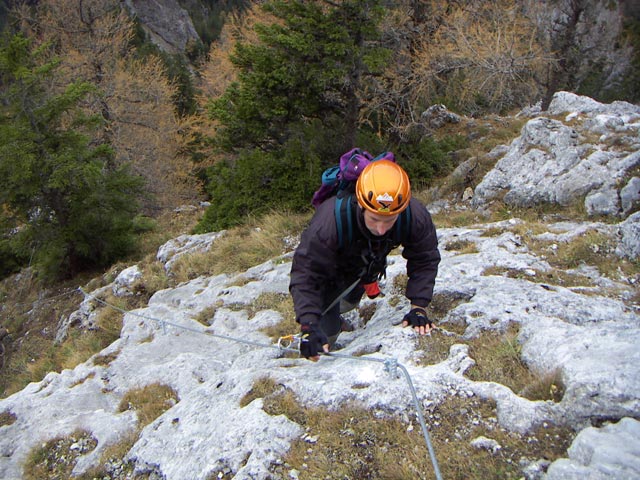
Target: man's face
{"points": [[379, 224]]}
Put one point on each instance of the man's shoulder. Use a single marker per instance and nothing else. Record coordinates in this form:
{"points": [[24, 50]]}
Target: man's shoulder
{"points": [[329, 204], [420, 216], [415, 203], [417, 206], [323, 221]]}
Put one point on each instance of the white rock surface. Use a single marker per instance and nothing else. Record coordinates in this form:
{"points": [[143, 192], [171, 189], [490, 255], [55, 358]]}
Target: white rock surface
{"points": [[592, 340], [612, 451], [578, 157], [629, 232], [174, 249], [123, 284]]}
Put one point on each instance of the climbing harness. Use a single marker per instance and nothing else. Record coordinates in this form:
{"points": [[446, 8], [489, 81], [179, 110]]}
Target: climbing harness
{"points": [[291, 343]]}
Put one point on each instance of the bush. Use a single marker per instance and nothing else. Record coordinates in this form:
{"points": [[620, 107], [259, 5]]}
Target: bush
{"points": [[10, 262], [256, 183], [428, 159]]}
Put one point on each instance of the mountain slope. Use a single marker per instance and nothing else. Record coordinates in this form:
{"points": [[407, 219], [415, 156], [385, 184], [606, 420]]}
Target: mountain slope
{"points": [[508, 280]]}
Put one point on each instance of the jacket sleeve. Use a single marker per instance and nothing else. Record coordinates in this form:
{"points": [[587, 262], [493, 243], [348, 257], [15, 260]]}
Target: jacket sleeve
{"points": [[422, 255], [314, 264]]}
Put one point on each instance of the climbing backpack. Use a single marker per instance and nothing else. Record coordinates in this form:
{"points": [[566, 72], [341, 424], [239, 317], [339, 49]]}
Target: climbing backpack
{"points": [[340, 180]]}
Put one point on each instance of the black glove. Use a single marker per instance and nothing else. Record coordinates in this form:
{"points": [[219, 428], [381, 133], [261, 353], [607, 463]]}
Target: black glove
{"points": [[417, 317], [313, 338]]}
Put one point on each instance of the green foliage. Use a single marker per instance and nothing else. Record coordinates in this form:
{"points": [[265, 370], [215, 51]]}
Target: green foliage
{"points": [[258, 182], [428, 159], [294, 109], [72, 210], [4, 14], [142, 224], [10, 262], [310, 65], [179, 74], [209, 18]]}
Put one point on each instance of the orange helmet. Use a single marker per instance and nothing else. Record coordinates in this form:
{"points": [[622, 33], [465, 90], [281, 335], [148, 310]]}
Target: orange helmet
{"points": [[383, 188]]}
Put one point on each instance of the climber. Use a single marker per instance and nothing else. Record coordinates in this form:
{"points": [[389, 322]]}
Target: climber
{"points": [[343, 253]]}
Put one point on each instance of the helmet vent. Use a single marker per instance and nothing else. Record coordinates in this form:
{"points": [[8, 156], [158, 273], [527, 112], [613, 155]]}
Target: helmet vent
{"points": [[370, 195]]}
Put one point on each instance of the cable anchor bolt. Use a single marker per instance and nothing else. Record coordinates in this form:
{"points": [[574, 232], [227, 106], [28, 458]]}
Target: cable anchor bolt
{"points": [[391, 367]]}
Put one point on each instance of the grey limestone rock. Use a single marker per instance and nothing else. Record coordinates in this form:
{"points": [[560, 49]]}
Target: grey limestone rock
{"points": [[555, 161]]}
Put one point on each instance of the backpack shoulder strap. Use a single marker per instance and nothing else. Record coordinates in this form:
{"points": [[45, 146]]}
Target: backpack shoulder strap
{"points": [[345, 213], [402, 229]]}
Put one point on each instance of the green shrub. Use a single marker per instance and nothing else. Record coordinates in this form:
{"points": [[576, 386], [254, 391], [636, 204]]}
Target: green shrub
{"points": [[256, 183], [428, 159]]}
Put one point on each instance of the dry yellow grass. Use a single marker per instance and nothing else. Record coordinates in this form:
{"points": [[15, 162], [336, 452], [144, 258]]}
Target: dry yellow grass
{"points": [[149, 402]]}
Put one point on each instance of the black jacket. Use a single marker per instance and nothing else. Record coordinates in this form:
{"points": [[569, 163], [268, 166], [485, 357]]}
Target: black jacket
{"points": [[321, 269]]}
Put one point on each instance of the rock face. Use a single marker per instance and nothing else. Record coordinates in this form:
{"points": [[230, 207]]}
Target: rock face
{"points": [[168, 24], [597, 39], [587, 155], [592, 340]]}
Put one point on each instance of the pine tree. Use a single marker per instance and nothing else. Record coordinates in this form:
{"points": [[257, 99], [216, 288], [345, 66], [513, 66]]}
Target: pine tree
{"points": [[310, 63], [69, 209], [294, 106], [95, 41]]}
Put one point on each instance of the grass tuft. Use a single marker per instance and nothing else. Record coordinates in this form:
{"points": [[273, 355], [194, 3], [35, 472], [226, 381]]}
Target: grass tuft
{"points": [[262, 387], [149, 402], [358, 442], [56, 458], [7, 418], [460, 419], [283, 304], [462, 246], [114, 463], [243, 247], [498, 359]]}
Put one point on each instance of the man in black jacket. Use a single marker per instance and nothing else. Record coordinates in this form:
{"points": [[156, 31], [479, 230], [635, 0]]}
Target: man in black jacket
{"points": [[329, 276]]}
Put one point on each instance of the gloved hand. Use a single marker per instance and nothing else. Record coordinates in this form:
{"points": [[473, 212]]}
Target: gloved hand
{"points": [[313, 341], [417, 318]]}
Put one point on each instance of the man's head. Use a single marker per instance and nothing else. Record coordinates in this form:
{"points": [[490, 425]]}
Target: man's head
{"points": [[383, 191], [383, 188]]}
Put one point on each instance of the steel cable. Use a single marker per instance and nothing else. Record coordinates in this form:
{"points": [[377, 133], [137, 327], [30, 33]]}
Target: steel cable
{"points": [[390, 364]]}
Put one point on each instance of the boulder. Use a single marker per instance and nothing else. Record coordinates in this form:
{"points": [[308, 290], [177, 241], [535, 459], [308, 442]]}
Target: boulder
{"points": [[629, 236], [562, 161]]}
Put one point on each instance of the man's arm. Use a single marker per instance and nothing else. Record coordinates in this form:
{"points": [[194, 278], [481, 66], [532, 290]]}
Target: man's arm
{"points": [[314, 264], [423, 257]]}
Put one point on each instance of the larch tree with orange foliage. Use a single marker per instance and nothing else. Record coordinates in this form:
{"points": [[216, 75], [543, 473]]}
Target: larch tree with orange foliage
{"points": [[134, 96], [484, 56]]}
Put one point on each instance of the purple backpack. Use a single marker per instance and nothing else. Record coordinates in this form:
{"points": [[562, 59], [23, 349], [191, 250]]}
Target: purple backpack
{"points": [[343, 177]]}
